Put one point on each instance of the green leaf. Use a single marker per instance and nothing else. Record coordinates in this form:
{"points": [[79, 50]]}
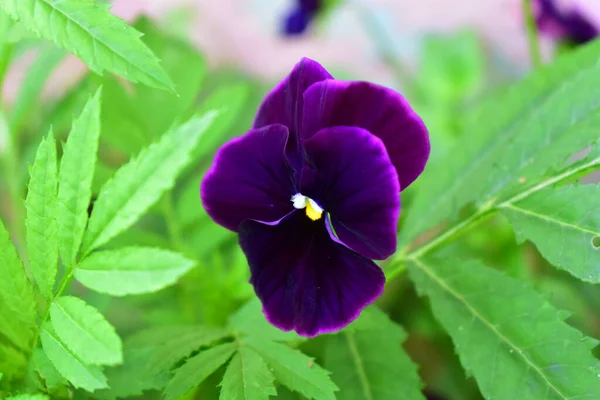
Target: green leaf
{"points": [[75, 179], [85, 332], [132, 270], [42, 242], [44, 367], [88, 30], [535, 125], [12, 362], [29, 91], [36, 396], [80, 374], [371, 364], [247, 377], [508, 337], [140, 183], [197, 369], [294, 369], [17, 302], [562, 222], [250, 320]]}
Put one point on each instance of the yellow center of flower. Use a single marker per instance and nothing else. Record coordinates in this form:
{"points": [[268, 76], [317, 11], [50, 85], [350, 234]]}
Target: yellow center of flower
{"points": [[313, 210]]}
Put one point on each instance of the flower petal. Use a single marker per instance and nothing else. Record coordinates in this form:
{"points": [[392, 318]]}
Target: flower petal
{"points": [[250, 178], [307, 282], [381, 111], [284, 104], [349, 174]]}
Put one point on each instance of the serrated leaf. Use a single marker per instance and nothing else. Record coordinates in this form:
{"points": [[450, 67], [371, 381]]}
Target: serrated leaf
{"points": [[12, 362], [46, 370], [535, 125], [17, 302], [140, 183], [197, 369], [85, 332], [75, 179], [249, 320], [98, 38], [48, 58], [562, 223], [370, 363], [42, 241], [247, 377], [514, 343], [132, 270], [80, 374], [294, 369]]}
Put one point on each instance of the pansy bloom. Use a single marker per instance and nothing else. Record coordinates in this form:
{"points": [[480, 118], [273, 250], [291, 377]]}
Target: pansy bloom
{"points": [[301, 16], [313, 191], [567, 24]]}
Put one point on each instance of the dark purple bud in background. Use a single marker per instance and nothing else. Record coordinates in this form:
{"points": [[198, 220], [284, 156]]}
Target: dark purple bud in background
{"points": [[568, 25], [300, 17]]}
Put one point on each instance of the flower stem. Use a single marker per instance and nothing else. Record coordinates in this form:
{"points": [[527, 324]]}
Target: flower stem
{"points": [[532, 33]]}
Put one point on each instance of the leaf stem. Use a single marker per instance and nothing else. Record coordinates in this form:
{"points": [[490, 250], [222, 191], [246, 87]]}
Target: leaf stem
{"points": [[397, 264], [532, 33]]}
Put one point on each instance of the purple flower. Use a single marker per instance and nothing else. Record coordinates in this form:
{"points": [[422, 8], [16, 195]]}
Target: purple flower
{"points": [[569, 25], [313, 190], [301, 16]]}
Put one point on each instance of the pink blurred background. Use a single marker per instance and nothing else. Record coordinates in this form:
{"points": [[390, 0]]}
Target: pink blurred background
{"points": [[244, 33]]}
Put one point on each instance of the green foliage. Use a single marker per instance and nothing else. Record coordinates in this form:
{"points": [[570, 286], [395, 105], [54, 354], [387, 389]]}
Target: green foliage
{"points": [[247, 377], [368, 362], [37, 396], [505, 332], [131, 270], [49, 378], [141, 182], [75, 179], [42, 241], [85, 332], [197, 369], [562, 222], [537, 122], [77, 372], [88, 30], [17, 303]]}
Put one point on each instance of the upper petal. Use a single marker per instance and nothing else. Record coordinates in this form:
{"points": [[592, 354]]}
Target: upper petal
{"points": [[250, 178], [381, 111], [350, 175], [284, 104], [305, 281]]}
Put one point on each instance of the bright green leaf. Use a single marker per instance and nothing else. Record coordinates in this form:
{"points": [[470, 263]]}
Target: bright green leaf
{"points": [[46, 370], [294, 369], [197, 369], [132, 270], [538, 123], [247, 377], [36, 396], [75, 179], [562, 222], [12, 362], [17, 302], [42, 242], [85, 332], [140, 183], [508, 337], [68, 365], [356, 359], [88, 30]]}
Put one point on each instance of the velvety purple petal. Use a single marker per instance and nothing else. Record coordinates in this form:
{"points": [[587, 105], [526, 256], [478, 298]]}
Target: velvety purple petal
{"points": [[284, 104], [350, 175], [305, 281], [381, 111], [250, 178]]}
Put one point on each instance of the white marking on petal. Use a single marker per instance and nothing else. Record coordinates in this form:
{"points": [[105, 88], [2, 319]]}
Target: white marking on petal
{"points": [[299, 201]]}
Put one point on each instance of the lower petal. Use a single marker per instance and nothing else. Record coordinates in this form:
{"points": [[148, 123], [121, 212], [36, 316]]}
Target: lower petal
{"points": [[305, 281]]}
